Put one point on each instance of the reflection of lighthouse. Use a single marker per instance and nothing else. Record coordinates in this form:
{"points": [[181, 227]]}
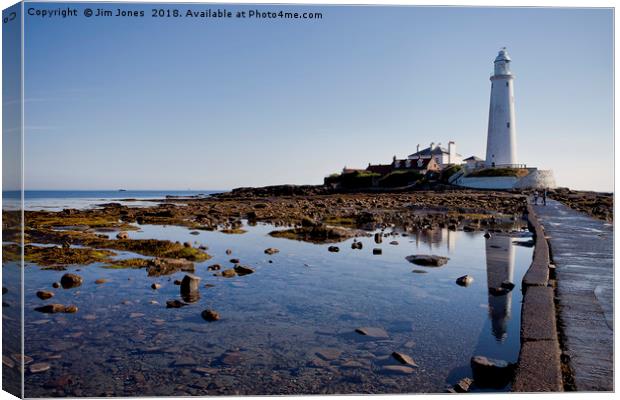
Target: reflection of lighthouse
{"points": [[500, 268]]}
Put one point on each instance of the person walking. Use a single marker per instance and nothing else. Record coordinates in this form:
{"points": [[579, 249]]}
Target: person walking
{"points": [[544, 195], [535, 197]]}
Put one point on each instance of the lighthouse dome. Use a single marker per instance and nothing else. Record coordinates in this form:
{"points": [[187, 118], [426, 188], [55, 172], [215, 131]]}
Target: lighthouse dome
{"points": [[502, 55]]}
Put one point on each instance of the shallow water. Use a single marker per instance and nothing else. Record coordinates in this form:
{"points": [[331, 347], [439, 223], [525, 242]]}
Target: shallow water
{"points": [[274, 321]]}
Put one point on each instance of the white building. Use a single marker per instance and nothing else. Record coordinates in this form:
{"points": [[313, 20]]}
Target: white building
{"points": [[502, 133], [444, 157]]}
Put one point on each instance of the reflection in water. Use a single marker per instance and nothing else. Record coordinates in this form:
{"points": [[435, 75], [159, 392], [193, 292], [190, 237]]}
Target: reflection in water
{"points": [[500, 267], [435, 238]]}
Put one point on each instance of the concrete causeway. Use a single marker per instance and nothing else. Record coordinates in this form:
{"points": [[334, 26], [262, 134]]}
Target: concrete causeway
{"points": [[582, 251]]}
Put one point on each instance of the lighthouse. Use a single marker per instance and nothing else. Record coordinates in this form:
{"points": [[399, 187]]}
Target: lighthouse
{"points": [[502, 133]]}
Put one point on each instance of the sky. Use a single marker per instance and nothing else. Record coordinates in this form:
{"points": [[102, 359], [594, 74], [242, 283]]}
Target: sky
{"points": [[195, 103]]}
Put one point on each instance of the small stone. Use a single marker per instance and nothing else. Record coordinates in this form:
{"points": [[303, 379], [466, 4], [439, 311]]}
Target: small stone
{"points": [[419, 271], [122, 235], [377, 252], [7, 362], [241, 270], [404, 359], [44, 295], [56, 285], [190, 284], [19, 358], [465, 280], [194, 233], [498, 291], [333, 249], [187, 245], [210, 315], [394, 243], [271, 250], [70, 281], [101, 281], [136, 315], [373, 332], [39, 367], [235, 260], [357, 245], [378, 238], [228, 251], [508, 285], [175, 304], [177, 282], [71, 309], [214, 267], [155, 286]]}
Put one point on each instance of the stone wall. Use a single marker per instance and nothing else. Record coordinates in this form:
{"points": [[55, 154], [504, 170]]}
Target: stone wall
{"points": [[537, 179]]}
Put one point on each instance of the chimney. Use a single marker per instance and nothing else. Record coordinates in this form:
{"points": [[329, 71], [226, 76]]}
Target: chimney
{"points": [[394, 159], [451, 152], [418, 149], [432, 146]]}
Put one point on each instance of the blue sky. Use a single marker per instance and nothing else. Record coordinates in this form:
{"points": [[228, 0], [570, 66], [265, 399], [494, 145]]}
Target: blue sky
{"points": [[144, 103]]}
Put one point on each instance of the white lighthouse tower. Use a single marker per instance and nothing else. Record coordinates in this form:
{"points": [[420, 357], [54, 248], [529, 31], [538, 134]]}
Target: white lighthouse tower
{"points": [[502, 134]]}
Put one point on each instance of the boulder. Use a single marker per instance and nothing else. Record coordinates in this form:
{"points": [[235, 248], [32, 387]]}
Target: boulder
{"points": [[427, 260], [70, 281], [489, 372]]}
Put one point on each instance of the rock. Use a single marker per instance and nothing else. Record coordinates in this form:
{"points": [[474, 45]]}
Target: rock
{"points": [[328, 354], [378, 238], [465, 280], [39, 367], [194, 233], [101, 281], [463, 385], [122, 235], [469, 228], [373, 332], [235, 260], [333, 249], [377, 252], [404, 359], [356, 245], [491, 373], [190, 284], [71, 309], [427, 260], [214, 267], [177, 282], [168, 266], [187, 244], [271, 250], [508, 285], [70, 281], [7, 362], [56, 308], [44, 294], [228, 251], [394, 243], [175, 304], [397, 370], [56, 285], [487, 235], [229, 273], [210, 315], [19, 358], [155, 286], [419, 271], [352, 364], [242, 270]]}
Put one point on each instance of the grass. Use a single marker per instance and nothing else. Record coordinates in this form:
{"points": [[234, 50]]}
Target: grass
{"points": [[46, 256]]}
